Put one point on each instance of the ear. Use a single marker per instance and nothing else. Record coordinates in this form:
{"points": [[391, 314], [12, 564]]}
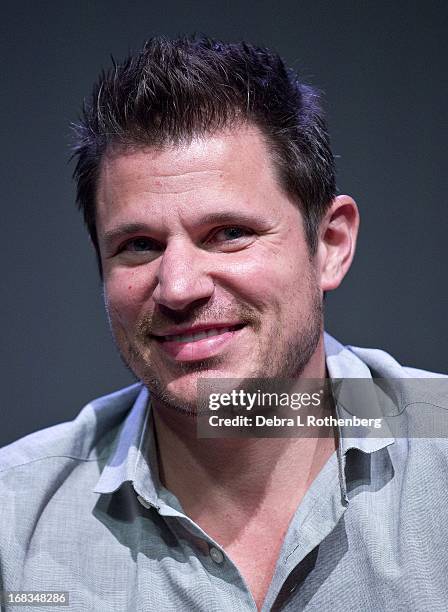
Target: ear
{"points": [[337, 241]]}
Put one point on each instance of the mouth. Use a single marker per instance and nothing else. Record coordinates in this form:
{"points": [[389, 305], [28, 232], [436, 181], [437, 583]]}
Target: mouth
{"points": [[199, 342], [198, 334]]}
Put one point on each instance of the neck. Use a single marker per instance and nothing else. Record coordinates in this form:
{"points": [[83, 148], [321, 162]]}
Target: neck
{"points": [[209, 475]]}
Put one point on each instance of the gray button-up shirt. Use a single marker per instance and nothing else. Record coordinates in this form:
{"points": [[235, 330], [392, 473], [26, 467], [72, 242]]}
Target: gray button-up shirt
{"points": [[83, 511]]}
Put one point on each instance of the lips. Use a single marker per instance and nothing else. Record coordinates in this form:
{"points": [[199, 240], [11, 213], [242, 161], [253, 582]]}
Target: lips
{"points": [[198, 343], [198, 334]]}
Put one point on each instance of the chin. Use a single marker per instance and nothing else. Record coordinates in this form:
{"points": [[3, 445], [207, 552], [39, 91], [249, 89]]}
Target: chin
{"points": [[184, 394]]}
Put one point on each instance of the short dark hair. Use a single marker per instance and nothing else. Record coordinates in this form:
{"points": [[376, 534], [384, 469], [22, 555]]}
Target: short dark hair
{"points": [[174, 90]]}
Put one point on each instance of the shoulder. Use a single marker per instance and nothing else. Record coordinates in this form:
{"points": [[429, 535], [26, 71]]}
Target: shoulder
{"points": [[359, 362], [47, 480], [414, 401], [383, 364], [82, 439], [412, 389], [421, 420], [417, 373]]}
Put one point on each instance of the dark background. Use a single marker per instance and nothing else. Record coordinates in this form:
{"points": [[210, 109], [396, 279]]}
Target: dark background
{"points": [[382, 66]]}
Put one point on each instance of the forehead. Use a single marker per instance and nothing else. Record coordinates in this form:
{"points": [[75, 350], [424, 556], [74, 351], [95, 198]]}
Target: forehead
{"points": [[229, 168], [223, 151]]}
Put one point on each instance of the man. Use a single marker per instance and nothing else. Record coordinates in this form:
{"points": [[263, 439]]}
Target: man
{"points": [[207, 185]]}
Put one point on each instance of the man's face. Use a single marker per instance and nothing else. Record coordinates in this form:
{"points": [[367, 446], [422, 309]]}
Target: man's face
{"points": [[207, 271]]}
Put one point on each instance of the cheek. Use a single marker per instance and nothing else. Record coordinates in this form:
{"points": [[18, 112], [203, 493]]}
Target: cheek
{"points": [[259, 280], [126, 296], [271, 282]]}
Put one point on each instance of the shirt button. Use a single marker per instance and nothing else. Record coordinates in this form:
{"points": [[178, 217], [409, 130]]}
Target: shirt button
{"points": [[143, 502], [216, 555]]}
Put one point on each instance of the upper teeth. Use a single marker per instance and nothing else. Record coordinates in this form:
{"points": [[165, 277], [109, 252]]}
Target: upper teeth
{"points": [[206, 333]]}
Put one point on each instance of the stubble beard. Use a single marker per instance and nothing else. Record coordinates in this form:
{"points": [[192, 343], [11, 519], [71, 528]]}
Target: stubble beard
{"points": [[288, 361]]}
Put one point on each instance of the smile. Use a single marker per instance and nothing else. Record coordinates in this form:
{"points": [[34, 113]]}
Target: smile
{"points": [[200, 335], [198, 345]]}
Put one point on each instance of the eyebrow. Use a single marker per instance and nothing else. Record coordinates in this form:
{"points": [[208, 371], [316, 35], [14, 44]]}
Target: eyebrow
{"points": [[228, 217], [212, 218], [124, 230]]}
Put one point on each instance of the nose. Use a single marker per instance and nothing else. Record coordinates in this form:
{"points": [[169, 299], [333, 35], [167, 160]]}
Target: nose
{"points": [[182, 276]]}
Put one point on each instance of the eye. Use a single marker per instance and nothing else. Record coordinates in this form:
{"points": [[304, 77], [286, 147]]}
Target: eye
{"points": [[231, 237], [139, 250], [139, 245], [231, 233]]}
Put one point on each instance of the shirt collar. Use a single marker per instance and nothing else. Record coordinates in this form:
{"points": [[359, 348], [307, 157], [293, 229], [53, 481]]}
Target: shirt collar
{"points": [[134, 457], [343, 365]]}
